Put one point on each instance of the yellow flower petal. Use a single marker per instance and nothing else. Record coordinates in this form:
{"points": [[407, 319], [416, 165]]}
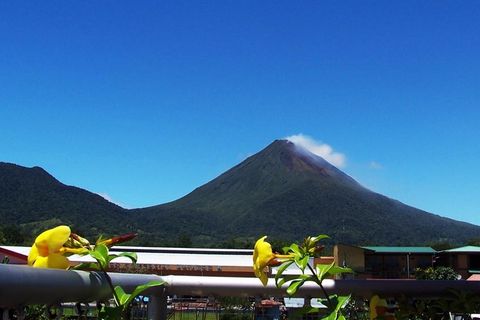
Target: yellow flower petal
{"points": [[53, 238], [32, 255], [54, 260], [263, 278], [377, 307], [258, 272], [262, 256], [44, 252], [262, 253]]}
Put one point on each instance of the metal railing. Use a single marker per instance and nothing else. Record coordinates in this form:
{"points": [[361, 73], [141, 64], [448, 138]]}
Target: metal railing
{"points": [[23, 285]]}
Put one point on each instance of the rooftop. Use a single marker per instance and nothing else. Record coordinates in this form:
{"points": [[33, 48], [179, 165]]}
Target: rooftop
{"points": [[168, 256], [400, 249], [466, 249]]}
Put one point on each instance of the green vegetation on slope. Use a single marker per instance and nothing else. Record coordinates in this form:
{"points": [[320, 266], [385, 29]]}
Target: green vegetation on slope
{"points": [[276, 192], [283, 189]]}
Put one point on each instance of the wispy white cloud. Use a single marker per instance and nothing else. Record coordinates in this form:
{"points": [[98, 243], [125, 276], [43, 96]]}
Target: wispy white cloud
{"points": [[375, 165], [109, 199], [319, 148]]}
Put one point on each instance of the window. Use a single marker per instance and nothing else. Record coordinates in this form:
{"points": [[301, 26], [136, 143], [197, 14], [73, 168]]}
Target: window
{"points": [[474, 261]]}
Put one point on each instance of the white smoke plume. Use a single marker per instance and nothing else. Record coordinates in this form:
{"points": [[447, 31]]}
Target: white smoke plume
{"points": [[320, 149]]}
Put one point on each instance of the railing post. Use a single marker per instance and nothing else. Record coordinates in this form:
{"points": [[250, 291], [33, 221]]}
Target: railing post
{"points": [[157, 306]]}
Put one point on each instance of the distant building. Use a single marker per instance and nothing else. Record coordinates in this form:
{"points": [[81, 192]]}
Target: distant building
{"points": [[464, 260], [14, 254], [369, 262], [169, 261], [163, 261], [384, 262]]}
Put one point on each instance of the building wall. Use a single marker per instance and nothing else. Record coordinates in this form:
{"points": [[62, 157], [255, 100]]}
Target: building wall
{"points": [[462, 261], [395, 265], [12, 259], [323, 260], [370, 264], [352, 257], [460, 265]]}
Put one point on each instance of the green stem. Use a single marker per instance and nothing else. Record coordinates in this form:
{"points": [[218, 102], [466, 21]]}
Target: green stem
{"points": [[110, 284], [319, 282]]}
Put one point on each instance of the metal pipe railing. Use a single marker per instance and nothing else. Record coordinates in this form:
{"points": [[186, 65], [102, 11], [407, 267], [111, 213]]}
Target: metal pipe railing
{"points": [[229, 286], [23, 285]]}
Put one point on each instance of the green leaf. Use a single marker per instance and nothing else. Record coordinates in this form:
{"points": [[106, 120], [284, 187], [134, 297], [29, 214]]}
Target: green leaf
{"points": [[296, 249], [98, 257], [131, 255], [281, 269], [338, 270], [110, 313], [110, 257], [100, 239], [144, 287], [285, 279], [302, 262], [100, 253], [320, 237], [323, 270], [294, 285], [306, 277], [102, 249], [86, 266], [339, 303], [342, 301], [121, 295]]}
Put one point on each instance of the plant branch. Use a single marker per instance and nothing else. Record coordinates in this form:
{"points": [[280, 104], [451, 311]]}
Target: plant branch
{"points": [[319, 282], [110, 284]]}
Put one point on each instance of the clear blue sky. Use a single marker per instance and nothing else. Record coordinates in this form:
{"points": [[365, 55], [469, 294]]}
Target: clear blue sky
{"points": [[144, 101]]}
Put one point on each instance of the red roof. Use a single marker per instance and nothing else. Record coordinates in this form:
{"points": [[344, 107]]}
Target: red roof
{"points": [[474, 277]]}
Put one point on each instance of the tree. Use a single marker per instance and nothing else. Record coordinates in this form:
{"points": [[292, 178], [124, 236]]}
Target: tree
{"points": [[474, 242], [441, 245], [437, 273], [12, 235], [184, 241]]}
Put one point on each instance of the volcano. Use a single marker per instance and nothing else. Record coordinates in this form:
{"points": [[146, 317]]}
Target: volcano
{"points": [[283, 191], [286, 192]]}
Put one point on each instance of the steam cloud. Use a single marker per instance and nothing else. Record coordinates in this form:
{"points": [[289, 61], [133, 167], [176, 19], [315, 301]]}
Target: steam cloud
{"points": [[320, 149]]}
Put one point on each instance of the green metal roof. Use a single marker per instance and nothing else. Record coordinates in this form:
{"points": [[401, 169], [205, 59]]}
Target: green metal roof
{"points": [[401, 249], [466, 249]]}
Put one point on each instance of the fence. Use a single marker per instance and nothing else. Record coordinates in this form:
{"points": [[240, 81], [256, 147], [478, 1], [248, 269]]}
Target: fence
{"points": [[23, 285]]}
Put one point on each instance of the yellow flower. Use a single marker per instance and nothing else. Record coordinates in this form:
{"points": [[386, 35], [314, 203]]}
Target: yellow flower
{"points": [[262, 257], [379, 309], [49, 249]]}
